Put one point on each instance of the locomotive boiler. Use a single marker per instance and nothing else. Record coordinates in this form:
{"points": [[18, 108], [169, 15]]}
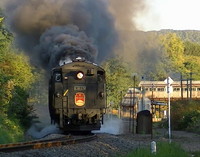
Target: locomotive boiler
{"points": [[77, 96]]}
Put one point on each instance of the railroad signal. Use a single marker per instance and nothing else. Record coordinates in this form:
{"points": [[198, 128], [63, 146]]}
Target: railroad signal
{"points": [[169, 81]]}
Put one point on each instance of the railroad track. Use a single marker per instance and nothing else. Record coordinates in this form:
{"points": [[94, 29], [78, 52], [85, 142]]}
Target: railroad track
{"points": [[46, 143]]}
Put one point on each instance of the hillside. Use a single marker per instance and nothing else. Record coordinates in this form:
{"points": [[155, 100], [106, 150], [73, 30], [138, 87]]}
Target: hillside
{"points": [[157, 54], [185, 35]]}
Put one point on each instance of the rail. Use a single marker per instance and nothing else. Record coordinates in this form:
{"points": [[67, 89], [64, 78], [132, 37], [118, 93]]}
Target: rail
{"points": [[45, 143]]}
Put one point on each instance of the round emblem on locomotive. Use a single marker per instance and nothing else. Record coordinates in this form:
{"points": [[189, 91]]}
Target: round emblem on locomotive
{"points": [[80, 99]]}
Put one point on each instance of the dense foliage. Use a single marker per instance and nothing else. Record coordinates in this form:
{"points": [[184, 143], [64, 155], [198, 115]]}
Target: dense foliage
{"points": [[118, 78], [177, 60], [191, 48], [16, 78], [10, 131], [186, 116], [173, 47]]}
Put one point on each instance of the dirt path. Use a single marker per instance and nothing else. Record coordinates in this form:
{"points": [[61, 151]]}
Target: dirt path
{"points": [[189, 141]]}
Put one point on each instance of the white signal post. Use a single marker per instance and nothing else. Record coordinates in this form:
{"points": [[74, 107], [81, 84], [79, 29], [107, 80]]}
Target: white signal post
{"points": [[169, 81]]}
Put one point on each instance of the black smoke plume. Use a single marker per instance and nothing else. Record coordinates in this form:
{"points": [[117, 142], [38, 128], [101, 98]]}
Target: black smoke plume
{"points": [[53, 30], [63, 44]]}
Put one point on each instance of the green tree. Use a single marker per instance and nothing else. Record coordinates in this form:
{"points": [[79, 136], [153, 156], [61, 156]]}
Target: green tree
{"points": [[19, 109], [191, 48], [16, 78], [5, 80], [174, 48], [15, 72], [181, 57], [192, 59], [118, 78], [187, 117]]}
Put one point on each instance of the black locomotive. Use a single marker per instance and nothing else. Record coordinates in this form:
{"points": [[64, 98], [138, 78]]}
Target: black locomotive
{"points": [[77, 96]]}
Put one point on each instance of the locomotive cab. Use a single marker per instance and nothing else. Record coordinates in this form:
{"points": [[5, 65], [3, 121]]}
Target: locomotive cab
{"points": [[77, 96]]}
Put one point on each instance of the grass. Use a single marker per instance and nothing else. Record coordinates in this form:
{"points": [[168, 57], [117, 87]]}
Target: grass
{"points": [[164, 149]]}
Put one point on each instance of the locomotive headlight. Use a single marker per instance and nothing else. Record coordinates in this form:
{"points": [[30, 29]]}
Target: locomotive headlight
{"points": [[80, 75]]}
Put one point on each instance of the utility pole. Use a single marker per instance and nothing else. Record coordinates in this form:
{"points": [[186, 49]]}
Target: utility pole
{"points": [[187, 90], [181, 87], [120, 106], [190, 85], [169, 81], [152, 99], [134, 100], [130, 119]]}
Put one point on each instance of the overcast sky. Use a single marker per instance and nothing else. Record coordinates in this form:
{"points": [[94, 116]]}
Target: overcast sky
{"points": [[170, 14]]}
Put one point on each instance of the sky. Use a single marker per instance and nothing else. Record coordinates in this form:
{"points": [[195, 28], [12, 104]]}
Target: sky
{"points": [[169, 14]]}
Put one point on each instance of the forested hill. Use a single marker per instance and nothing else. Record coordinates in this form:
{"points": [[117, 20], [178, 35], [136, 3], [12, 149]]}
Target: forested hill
{"points": [[156, 54], [185, 35]]}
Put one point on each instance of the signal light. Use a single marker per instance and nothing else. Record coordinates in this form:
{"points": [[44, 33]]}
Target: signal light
{"points": [[79, 75]]}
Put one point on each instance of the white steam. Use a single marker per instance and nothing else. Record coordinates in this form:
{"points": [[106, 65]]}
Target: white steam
{"points": [[37, 133], [42, 126], [112, 125]]}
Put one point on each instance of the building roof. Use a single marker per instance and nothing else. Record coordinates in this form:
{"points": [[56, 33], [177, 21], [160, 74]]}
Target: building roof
{"points": [[162, 83]]}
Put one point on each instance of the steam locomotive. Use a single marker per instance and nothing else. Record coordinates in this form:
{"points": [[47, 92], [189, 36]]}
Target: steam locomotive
{"points": [[77, 96]]}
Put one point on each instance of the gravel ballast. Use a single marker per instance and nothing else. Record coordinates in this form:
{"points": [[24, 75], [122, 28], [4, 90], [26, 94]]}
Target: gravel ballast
{"points": [[109, 145]]}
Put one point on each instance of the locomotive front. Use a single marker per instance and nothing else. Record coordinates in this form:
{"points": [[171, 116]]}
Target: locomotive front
{"points": [[77, 96]]}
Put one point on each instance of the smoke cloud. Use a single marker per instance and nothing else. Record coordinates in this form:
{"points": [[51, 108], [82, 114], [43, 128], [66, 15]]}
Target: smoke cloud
{"points": [[50, 30], [140, 49], [65, 43], [53, 31], [44, 28], [124, 12]]}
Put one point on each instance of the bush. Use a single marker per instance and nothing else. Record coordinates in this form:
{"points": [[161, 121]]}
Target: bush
{"points": [[18, 108], [191, 121], [16, 78], [186, 115], [9, 130]]}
